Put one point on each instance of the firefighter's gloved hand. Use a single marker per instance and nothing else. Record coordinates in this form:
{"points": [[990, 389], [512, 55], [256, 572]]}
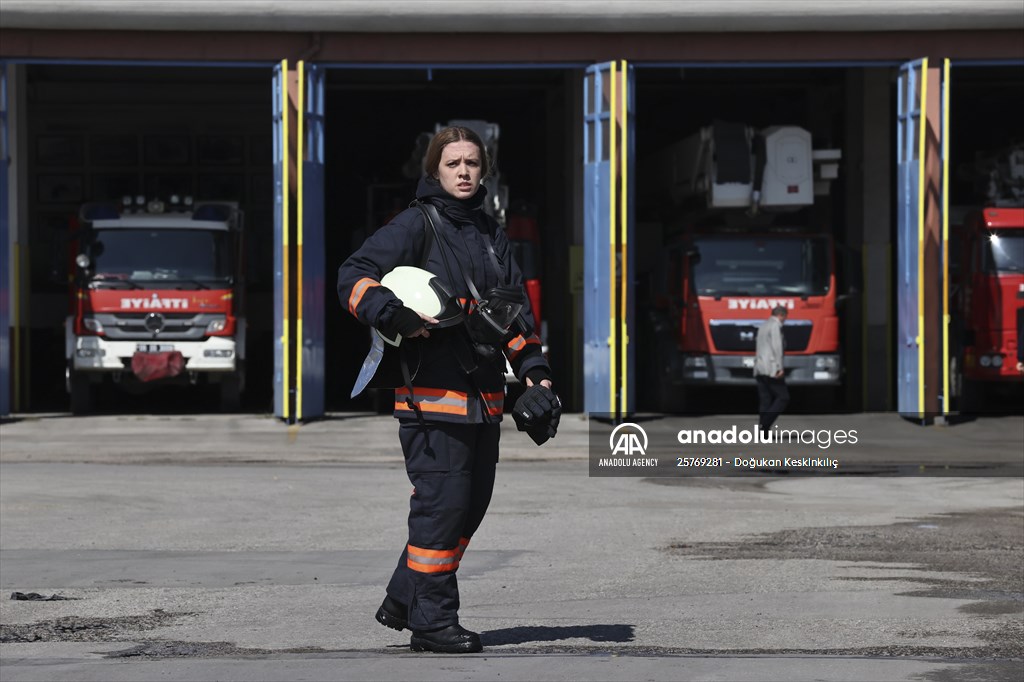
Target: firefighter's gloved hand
{"points": [[538, 412], [403, 321]]}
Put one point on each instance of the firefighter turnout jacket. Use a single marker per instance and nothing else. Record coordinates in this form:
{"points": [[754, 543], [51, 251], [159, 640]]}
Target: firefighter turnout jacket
{"points": [[442, 389]]}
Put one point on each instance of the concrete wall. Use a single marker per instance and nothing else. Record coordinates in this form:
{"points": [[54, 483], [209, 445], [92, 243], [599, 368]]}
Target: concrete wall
{"points": [[611, 16]]}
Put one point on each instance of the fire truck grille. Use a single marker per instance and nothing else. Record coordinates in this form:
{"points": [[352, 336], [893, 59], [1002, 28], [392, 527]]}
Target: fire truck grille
{"points": [[163, 326], [741, 335]]}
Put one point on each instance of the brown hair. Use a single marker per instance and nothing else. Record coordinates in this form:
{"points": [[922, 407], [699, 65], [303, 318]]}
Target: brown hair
{"points": [[445, 137]]}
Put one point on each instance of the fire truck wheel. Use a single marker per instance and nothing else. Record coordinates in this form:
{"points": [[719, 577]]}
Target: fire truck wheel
{"points": [[83, 394], [973, 399], [230, 393]]}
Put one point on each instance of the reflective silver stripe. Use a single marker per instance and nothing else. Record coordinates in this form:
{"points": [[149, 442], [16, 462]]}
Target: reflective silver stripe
{"points": [[425, 558], [433, 561]]}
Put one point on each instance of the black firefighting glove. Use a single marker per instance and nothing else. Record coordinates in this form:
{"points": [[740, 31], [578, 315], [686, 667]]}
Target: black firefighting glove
{"points": [[403, 321], [538, 412]]}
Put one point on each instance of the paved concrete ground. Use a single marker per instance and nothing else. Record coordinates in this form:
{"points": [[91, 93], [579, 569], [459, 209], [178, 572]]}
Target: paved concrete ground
{"points": [[236, 548]]}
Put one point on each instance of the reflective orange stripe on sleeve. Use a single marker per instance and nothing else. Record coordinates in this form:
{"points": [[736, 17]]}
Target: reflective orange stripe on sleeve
{"points": [[360, 288], [494, 403], [516, 345]]}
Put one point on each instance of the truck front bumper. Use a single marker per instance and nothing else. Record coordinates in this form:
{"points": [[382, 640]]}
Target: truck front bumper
{"points": [[96, 354], [738, 370]]}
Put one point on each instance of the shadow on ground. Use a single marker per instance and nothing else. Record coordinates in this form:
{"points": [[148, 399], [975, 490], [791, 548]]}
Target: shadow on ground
{"points": [[544, 633]]}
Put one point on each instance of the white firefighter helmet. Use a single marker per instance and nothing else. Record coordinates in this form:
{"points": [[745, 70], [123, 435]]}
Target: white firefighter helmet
{"points": [[423, 292]]}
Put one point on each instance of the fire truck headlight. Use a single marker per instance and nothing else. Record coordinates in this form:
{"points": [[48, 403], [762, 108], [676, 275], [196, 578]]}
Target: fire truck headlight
{"points": [[217, 325], [90, 352], [695, 361], [997, 361], [985, 361], [825, 363], [218, 353], [92, 324]]}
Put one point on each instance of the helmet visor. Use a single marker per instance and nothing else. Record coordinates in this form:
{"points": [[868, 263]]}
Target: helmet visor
{"points": [[502, 305]]}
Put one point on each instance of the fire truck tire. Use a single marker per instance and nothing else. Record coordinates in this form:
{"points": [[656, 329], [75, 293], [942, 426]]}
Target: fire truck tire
{"points": [[820, 399], [231, 393], [672, 398], [972, 397], [83, 394]]}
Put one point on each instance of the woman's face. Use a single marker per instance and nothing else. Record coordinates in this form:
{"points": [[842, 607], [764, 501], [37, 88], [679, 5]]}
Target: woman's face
{"points": [[461, 169]]}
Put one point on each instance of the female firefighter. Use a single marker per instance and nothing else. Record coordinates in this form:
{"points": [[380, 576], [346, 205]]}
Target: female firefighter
{"points": [[449, 396]]}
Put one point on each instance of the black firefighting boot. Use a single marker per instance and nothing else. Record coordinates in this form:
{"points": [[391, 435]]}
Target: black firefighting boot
{"points": [[453, 639], [393, 614]]}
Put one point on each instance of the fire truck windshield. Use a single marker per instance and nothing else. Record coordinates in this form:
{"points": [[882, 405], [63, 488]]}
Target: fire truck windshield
{"points": [[762, 265], [200, 257], [1003, 251]]}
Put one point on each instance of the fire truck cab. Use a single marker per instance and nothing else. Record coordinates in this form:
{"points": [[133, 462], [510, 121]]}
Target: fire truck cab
{"points": [[155, 299], [736, 253]]}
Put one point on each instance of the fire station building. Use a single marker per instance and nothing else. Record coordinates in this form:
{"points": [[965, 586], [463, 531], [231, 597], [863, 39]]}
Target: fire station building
{"points": [[310, 118]]}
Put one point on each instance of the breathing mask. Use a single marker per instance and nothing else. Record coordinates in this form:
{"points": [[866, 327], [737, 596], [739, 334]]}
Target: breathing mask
{"points": [[492, 318]]}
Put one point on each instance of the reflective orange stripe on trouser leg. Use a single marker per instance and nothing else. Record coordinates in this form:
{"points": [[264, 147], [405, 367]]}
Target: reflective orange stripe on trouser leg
{"points": [[433, 560]]}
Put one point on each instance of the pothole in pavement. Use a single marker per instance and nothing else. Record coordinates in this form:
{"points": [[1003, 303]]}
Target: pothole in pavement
{"points": [[983, 549], [165, 649], [80, 629]]}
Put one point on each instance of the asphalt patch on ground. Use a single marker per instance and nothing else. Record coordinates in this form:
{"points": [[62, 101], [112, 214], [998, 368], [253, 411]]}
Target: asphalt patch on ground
{"points": [[985, 549], [78, 629], [170, 649]]}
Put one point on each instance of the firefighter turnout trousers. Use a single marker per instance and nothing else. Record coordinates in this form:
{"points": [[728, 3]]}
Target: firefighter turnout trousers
{"points": [[451, 467]]}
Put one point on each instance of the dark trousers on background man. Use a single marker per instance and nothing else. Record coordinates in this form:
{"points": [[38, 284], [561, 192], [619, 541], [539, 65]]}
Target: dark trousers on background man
{"points": [[773, 396]]}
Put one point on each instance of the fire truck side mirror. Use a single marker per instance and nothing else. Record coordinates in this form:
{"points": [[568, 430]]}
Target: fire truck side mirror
{"points": [[83, 261]]}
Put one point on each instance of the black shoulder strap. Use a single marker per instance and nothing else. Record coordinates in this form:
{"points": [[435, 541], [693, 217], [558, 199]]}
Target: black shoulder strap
{"points": [[428, 237], [430, 222], [494, 257]]}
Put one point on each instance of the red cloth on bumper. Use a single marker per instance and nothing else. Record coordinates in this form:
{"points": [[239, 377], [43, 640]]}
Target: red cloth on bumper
{"points": [[153, 366]]}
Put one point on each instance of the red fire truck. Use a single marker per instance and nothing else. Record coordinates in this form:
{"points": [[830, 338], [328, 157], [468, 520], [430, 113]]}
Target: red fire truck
{"points": [[156, 299], [740, 249], [988, 292]]}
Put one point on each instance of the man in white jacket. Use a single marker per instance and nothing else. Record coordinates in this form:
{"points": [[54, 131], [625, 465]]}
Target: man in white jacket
{"points": [[768, 369]]}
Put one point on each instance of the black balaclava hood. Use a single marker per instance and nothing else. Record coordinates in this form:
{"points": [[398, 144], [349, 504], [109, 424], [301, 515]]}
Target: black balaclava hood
{"points": [[459, 211]]}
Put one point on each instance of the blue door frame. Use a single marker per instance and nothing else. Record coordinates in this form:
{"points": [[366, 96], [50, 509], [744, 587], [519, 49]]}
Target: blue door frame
{"points": [[309, 400], [911, 117], [608, 228], [282, 292]]}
